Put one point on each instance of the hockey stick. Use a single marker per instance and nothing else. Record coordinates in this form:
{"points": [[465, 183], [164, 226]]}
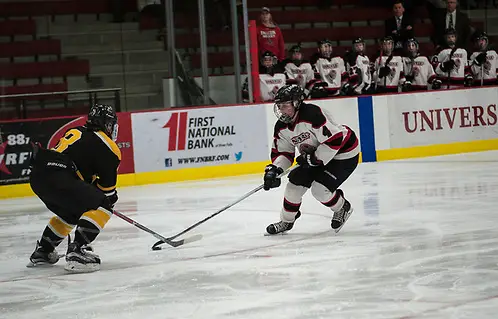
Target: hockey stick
{"points": [[378, 70], [389, 59], [254, 191], [449, 72], [163, 239], [482, 74]]}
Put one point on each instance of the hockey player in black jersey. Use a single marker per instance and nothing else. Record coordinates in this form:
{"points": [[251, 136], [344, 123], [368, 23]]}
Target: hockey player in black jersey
{"points": [[77, 182], [328, 156]]}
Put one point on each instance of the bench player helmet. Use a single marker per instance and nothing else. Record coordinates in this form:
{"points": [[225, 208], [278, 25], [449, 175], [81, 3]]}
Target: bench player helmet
{"points": [[411, 47], [387, 45], [296, 54], [359, 45], [103, 118], [288, 94], [268, 59], [481, 40], [450, 36], [325, 48]]}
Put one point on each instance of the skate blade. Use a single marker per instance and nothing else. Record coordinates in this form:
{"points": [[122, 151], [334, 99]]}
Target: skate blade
{"points": [[279, 234], [31, 264], [78, 268], [345, 220]]}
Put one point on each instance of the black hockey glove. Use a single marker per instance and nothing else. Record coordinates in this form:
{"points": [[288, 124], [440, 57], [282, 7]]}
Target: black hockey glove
{"points": [[347, 89], [271, 179], [480, 59], [384, 71], [468, 80], [448, 66], [436, 84], [407, 86], [307, 160], [112, 196]]}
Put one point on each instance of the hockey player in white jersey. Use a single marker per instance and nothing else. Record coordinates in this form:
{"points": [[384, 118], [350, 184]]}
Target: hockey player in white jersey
{"points": [[419, 73], [329, 69], [483, 62], [451, 64], [329, 154], [271, 78], [358, 68], [298, 70], [389, 75]]}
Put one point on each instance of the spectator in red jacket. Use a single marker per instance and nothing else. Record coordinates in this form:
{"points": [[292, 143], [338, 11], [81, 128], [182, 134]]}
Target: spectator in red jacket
{"points": [[270, 37]]}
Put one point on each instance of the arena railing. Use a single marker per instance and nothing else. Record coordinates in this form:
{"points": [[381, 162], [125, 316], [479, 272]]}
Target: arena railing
{"points": [[20, 101]]}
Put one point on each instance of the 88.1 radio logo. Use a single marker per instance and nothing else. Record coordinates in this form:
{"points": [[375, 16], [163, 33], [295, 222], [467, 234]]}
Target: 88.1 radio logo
{"points": [[15, 153]]}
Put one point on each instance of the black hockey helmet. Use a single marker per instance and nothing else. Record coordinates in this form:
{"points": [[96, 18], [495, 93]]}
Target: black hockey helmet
{"points": [[295, 48], [296, 54], [387, 38], [289, 93], [450, 32], [356, 45], [387, 44], [268, 56], [103, 118], [481, 40], [324, 41], [412, 47], [325, 47]]}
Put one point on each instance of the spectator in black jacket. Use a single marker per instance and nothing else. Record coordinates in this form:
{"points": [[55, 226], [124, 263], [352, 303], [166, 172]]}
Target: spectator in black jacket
{"points": [[452, 18], [399, 27]]}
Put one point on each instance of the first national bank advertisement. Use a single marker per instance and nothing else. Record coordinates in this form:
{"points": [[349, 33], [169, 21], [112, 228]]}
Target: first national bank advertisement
{"points": [[199, 137]]}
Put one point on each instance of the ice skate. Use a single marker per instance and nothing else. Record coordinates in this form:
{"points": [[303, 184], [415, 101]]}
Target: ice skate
{"points": [[80, 259], [40, 257], [281, 226], [340, 217]]}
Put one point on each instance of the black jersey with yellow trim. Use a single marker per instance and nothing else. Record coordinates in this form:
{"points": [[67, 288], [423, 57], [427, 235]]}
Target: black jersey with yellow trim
{"points": [[94, 154]]}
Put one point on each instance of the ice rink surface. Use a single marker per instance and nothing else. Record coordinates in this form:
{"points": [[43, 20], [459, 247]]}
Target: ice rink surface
{"points": [[422, 243]]}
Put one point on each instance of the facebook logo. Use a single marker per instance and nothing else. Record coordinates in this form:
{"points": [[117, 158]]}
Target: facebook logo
{"points": [[168, 162]]}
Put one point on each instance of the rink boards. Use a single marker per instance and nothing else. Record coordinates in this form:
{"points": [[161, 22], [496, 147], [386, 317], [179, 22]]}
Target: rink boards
{"points": [[219, 141]]}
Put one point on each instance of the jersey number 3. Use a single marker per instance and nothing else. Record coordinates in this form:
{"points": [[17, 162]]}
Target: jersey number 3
{"points": [[69, 138]]}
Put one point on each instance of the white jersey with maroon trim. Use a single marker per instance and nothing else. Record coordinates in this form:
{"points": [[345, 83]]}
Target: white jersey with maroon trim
{"points": [[313, 129], [361, 65], [457, 74], [332, 71], [488, 69], [300, 75], [270, 84], [395, 78], [421, 70]]}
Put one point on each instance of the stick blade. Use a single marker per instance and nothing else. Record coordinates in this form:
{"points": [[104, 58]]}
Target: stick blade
{"points": [[177, 243]]}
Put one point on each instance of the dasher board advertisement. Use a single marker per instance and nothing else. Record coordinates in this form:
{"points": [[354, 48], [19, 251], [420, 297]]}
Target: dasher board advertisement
{"points": [[199, 137], [442, 117]]}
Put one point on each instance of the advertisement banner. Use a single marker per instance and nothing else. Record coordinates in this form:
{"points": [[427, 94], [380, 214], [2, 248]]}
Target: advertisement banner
{"points": [[442, 117], [199, 137], [16, 138]]}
